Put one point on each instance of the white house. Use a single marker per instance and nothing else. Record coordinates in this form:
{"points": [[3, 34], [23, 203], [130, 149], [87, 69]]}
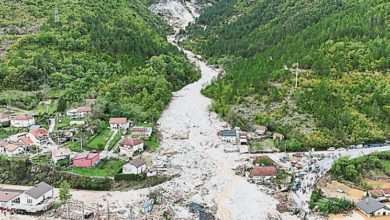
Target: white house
{"points": [[36, 199], [372, 207], [136, 166], [60, 154], [130, 145], [39, 136], [80, 112], [263, 174], [22, 121], [14, 149], [229, 135], [119, 123], [277, 135], [141, 131], [4, 118], [243, 137], [260, 129]]}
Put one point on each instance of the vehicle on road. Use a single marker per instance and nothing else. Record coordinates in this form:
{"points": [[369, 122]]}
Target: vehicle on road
{"points": [[340, 191], [341, 149], [331, 149], [297, 154], [293, 163], [359, 146]]}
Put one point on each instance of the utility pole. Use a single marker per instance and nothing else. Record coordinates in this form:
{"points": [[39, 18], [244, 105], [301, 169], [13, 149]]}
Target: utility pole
{"points": [[296, 76], [108, 211]]}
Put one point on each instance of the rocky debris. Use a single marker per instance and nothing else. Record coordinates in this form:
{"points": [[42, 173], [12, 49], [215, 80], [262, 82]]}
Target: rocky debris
{"points": [[231, 149]]}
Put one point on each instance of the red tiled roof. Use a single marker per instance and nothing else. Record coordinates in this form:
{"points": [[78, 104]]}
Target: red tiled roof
{"points": [[118, 120], [278, 135], [90, 100], [131, 142], [138, 129], [386, 191], [263, 171], [84, 109], [2, 116], [7, 195], [61, 152], [22, 117], [3, 143], [27, 140], [12, 147], [257, 158], [377, 192], [243, 133], [39, 133], [263, 128], [92, 155], [81, 155]]}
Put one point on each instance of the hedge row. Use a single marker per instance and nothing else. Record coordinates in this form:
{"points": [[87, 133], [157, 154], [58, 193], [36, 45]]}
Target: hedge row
{"points": [[119, 177]]}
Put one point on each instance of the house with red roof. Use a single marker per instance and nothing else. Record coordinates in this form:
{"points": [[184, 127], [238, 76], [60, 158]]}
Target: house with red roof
{"points": [[256, 160], [119, 123], [277, 135], [263, 174], [4, 118], [86, 159], [14, 149], [90, 101], [2, 146], [60, 154], [22, 121], [386, 192], [141, 132], [243, 137], [377, 192], [260, 129], [130, 145], [39, 136], [80, 112]]}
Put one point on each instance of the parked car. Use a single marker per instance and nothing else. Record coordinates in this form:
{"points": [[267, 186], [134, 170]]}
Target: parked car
{"points": [[297, 154], [341, 149], [340, 191], [331, 149], [293, 163], [359, 146], [351, 147]]}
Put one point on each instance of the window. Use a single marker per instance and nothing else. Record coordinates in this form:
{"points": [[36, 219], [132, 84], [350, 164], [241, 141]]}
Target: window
{"points": [[29, 200], [17, 200]]}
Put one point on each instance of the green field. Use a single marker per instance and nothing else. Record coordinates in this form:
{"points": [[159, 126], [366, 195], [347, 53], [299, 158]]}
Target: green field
{"points": [[386, 164], [115, 140], [267, 145], [152, 143], [106, 168], [74, 146], [100, 140]]}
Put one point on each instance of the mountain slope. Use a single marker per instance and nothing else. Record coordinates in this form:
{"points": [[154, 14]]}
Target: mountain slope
{"points": [[343, 50], [114, 50]]}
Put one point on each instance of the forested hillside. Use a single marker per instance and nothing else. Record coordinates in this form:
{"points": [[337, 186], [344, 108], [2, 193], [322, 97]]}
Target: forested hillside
{"points": [[343, 51], [113, 50]]}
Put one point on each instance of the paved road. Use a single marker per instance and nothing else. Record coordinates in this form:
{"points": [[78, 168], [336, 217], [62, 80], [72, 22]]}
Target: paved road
{"points": [[52, 124], [299, 197]]}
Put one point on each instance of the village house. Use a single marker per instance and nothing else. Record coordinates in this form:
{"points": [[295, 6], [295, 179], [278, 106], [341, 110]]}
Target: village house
{"points": [[60, 154], [131, 145], [26, 141], [141, 132], [243, 137], [229, 135], [80, 112], [136, 166], [46, 101], [22, 121], [277, 135], [375, 193], [39, 136], [2, 146], [372, 207], [386, 192], [86, 159], [36, 199], [263, 174], [14, 149], [4, 118], [119, 124], [260, 129], [90, 101]]}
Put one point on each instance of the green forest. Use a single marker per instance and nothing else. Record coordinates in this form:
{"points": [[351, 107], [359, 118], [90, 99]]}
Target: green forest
{"points": [[343, 51], [113, 50]]}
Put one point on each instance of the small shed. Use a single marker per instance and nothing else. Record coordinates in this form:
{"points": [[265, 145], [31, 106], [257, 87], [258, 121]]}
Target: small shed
{"points": [[146, 207]]}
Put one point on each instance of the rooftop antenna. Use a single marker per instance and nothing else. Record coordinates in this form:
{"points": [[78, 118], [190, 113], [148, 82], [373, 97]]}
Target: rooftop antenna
{"points": [[56, 17]]}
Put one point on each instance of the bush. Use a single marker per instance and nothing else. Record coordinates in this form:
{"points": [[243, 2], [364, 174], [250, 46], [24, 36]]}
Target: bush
{"points": [[119, 177]]}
